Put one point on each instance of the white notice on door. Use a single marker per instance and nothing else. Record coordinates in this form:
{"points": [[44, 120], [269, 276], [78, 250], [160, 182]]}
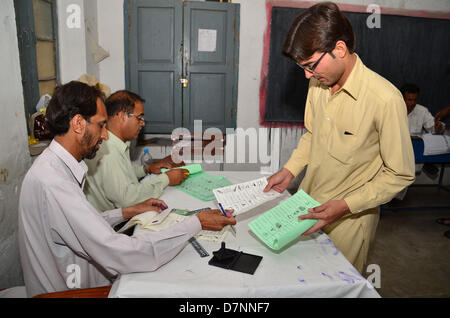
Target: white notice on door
{"points": [[207, 39]]}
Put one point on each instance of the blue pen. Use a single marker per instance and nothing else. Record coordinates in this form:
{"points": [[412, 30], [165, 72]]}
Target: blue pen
{"points": [[223, 212]]}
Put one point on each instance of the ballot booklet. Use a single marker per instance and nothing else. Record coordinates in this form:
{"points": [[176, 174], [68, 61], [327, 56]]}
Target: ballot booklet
{"points": [[281, 225], [155, 221], [245, 196]]}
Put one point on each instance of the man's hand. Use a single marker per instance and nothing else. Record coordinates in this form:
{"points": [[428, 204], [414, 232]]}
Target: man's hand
{"points": [[438, 127], [172, 160], [326, 213], [214, 220], [279, 181], [155, 168], [177, 176], [147, 205]]}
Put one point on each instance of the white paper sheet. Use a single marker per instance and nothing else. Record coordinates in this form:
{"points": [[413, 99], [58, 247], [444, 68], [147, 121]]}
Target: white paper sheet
{"points": [[435, 144], [244, 196], [207, 40]]}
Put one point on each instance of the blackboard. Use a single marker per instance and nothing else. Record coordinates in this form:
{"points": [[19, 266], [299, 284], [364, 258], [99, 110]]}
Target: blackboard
{"points": [[404, 49]]}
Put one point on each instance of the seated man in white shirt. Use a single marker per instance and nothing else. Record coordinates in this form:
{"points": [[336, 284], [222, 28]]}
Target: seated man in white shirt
{"points": [[64, 242], [420, 119]]}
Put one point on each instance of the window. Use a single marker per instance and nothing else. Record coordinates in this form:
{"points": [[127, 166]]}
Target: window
{"points": [[37, 34], [45, 45]]}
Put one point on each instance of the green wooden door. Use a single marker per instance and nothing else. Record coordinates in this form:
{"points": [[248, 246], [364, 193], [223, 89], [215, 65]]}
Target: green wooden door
{"points": [[172, 41]]}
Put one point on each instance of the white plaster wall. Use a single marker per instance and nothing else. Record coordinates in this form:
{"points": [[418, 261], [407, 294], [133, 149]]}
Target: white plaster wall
{"points": [[72, 43], [111, 38], [14, 156], [90, 20], [253, 23]]}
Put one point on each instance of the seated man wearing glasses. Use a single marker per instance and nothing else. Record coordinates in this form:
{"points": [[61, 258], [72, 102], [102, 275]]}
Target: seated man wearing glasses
{"points": [[356, 146], [112, 180]]}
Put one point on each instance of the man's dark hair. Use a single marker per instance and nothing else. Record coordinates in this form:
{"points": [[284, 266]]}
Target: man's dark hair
{"points": [[317, 30], [122, 101], [410, 88], [69, 100]]}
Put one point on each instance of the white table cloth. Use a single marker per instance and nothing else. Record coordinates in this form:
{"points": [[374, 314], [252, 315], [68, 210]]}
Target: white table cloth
{"points": [[308, 267]]}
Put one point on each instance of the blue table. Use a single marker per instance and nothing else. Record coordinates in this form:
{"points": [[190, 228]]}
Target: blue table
{"points": [[442, 160], [418, 147]]}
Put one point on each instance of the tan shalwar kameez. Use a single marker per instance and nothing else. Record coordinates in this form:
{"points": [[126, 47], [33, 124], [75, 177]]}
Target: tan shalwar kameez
{"points": [[356, 147]]}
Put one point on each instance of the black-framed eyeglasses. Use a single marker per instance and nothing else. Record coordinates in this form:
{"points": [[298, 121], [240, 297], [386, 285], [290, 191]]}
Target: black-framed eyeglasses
{"points": [[140, 118], [313, 67]]}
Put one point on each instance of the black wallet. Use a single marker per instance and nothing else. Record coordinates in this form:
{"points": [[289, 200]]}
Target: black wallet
{"points": [[128, 231], [234, 260]]}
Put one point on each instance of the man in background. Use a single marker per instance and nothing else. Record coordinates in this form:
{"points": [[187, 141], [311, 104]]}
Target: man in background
{"points": [[420, 119]]}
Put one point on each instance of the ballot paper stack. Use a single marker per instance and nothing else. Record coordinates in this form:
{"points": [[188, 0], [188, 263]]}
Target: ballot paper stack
{"points": [[156, 222], [435, 144], [200, 184], [244, 196], [280, 225]]}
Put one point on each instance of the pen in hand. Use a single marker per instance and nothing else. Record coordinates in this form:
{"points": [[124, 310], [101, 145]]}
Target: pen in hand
{"points": [[224, 213]]}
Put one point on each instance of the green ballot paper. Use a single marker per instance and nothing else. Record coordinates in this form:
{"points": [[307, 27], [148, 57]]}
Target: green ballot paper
{"points": [[280, 225], [201, 185], [193, 169]]}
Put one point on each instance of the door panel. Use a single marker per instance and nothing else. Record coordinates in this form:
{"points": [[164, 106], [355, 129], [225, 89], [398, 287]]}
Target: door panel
{"points": [[215, 84], [155, 40], [155, 29], [157, 90], [213, 20], [209, 41]]}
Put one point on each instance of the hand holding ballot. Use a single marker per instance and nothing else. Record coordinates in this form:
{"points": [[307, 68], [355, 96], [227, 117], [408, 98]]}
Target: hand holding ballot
{"points": [[214, 220], [173, 160], [326, 214], [155, 168], [164, 163], [177, 176]]}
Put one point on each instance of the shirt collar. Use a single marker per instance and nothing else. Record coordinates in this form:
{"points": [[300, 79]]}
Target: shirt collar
{"points": [[116, 142], [78, 169], [353, 83]]}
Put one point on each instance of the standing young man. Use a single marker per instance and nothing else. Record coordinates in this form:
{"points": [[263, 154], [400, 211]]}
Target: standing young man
{"points": [[356, 146]]}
